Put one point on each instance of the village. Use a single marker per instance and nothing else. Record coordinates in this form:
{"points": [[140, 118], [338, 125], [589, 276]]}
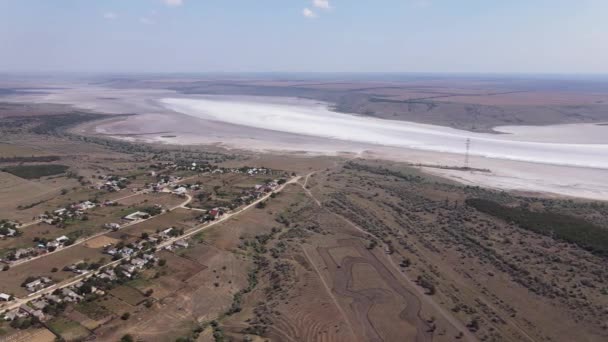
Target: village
{"points": [[96, 280], [165, 184], [48, 296]]}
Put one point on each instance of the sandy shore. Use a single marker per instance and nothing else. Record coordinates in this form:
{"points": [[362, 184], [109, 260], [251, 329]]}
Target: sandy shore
{"points": [[570, 160]]}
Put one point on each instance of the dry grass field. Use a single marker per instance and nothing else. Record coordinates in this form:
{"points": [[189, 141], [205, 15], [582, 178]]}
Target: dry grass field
{"points": [[68, 329], [354, 251], [382, 256], [166, 200], [30, 335], [100, 241], [12, 150], [178, 219], [11, 280]]}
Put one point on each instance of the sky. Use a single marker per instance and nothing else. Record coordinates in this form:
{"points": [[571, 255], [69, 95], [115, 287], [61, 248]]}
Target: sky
{"points": [[455, 36]]}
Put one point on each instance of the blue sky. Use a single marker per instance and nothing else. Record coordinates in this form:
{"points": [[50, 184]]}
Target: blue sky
{"points": [[521, 36]]}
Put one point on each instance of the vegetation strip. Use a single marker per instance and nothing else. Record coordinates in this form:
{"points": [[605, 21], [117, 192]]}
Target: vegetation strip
{"points": [[564, 227], [35, 171]]}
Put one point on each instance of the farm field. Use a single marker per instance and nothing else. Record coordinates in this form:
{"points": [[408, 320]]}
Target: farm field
{"points": [[11, 280], [30, 335], [68, 329], [178, 219], [350, 249], [35, 171]]}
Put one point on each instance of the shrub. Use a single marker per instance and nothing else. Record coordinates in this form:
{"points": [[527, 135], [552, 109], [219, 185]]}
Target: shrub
{"points": [[35, 171], [563, 227]]}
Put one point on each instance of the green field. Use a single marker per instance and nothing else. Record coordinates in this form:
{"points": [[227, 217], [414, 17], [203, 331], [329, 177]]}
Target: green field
{"points": [[563, 227], [93, 310], [35, 171], [68, 329], [128, 295]]}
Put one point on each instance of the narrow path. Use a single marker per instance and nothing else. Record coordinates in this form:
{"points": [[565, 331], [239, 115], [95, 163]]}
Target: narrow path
{"points": [[427, 299], [330, 293], [21, 301], [308, 192], [141, 192], [91, 237]]}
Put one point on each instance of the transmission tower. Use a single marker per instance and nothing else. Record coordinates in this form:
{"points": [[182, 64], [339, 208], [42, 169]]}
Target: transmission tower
{"points": [[466, 155]]}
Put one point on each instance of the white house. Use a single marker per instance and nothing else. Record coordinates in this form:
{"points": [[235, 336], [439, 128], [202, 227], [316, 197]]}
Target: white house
{"points": [[60, 211], [62, 239], [180, 191], [182, 243], [138, 215]]}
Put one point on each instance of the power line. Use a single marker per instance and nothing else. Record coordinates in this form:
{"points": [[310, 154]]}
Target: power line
{"points": [[466, 156]]}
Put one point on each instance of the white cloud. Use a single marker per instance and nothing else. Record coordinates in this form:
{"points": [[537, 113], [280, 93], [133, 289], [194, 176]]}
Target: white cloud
{"points": [[173, 3], [308, 13], [323, 4], [146, 21], [110, 15]]}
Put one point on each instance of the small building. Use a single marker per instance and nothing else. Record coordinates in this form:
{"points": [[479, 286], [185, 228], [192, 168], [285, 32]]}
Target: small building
{"points": [[53, 298], [31, 312], [149, 257], [215, 213], [22, 252], [86, 205], [62, 239], [180, 191], [5, 297], [60, 211], [13, 314], [113, 226], [52, 244], [182, 243], [9, 233], [125, 252], [33, 286], [71, 296], [138, 215], [130, 269], [137, 262], [39, 304]]}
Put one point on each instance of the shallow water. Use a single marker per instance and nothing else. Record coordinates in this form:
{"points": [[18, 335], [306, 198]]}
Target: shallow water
{"points": [[304, 127], [317, 120]]}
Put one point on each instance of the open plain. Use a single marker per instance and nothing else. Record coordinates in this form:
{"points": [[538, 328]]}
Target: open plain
{"points": [[283, 236], [513, 150]]}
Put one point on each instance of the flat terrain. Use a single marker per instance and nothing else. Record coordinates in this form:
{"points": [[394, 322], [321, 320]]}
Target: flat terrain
{"points": [[348, 250], [464, 103]]}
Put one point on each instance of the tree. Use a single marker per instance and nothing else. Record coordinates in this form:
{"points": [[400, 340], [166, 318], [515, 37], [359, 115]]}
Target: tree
{"points": [[125, 316], [473, 325], [127, 338]]}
